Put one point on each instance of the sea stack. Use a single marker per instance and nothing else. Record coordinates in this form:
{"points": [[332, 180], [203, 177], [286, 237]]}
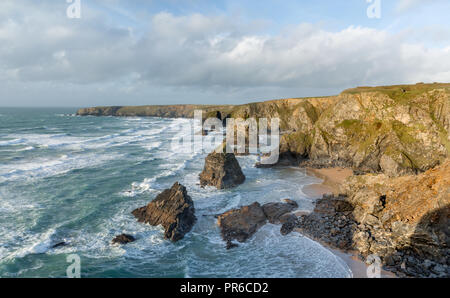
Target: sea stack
{"points": [[173, 209], [222, 170], [241, 224]]}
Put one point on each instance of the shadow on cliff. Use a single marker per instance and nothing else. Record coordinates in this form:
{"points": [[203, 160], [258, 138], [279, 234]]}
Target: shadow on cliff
{"points": [[426, 252], [423, 254]]}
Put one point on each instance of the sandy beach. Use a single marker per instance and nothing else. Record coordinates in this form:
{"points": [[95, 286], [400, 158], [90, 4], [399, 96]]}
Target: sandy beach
{"points": [[332, 178]]}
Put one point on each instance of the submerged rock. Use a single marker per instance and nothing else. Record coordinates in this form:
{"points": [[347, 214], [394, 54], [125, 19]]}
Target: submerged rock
{"points": [[231, 245], [221, 170], [59, 244], [173, 209], [123, 239]]}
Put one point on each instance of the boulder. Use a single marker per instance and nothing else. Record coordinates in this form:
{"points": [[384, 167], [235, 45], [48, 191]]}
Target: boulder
{"points": [[274, 211], [123, 239], [241, 224], [221, 170], [173, 209], [289, 222]]}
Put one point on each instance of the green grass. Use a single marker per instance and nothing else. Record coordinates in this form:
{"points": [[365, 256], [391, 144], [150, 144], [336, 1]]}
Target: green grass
{"points": [[401, 93]]}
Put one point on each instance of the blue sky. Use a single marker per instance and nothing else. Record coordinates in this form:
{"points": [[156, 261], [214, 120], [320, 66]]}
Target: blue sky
{"points": [[202, 51], [331, 14]]}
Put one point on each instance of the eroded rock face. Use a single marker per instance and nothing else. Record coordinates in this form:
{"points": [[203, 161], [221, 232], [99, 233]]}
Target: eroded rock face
{"points": [[221, 170], [404, 221], [123, 239], [173, 209], [241, 224], [396, 134], [395, 130]]}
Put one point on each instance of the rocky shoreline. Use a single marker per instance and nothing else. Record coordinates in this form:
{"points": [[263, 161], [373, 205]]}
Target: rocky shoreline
{"points": [[410, 243], [393, 139]]}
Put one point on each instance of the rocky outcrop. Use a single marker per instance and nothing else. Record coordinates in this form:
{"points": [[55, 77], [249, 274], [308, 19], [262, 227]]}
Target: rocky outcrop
{"points": [[382, 132], [404, 221], [274, 211], [173, 209], [289, 222], [123, 239], [331, 222], [221, 170], [241, 224], [396, 130]]}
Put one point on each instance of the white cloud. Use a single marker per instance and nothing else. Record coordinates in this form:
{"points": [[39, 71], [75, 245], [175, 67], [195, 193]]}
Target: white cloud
{"points": [[202, 54], [404, 5]]}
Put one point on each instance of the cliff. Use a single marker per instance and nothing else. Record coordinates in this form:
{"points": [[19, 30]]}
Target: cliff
{"points": [[404, 221], [169, 111], [395, 138], [395, 130]]}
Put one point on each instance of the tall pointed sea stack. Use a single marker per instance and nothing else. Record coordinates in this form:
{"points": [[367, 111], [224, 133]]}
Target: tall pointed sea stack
{"points": [[173, 209]]}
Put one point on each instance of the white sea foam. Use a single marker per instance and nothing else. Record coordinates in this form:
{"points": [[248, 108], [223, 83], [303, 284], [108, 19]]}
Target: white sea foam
{"points": [[26, 149], [138, 188], [41, 168], [13, 142], [149, 184], [34, 244], [267, 254]]}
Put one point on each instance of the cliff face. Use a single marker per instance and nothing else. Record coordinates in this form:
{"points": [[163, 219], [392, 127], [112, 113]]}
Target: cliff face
{"points": [[396, 130], [404, 221], [374, 132], [170, 111]]}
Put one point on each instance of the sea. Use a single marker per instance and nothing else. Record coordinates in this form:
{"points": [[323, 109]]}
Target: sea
{"points": [[76, 180]]}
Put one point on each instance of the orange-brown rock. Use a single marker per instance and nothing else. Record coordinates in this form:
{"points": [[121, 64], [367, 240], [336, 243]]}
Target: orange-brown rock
{"points": [[404, 220]]}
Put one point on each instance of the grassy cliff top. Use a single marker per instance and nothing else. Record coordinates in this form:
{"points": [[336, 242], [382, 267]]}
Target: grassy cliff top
{"points": [[397, 91], [400, 93]]}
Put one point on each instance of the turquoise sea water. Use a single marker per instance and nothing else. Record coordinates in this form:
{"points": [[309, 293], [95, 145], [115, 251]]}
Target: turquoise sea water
{"points": [[77, 179]]}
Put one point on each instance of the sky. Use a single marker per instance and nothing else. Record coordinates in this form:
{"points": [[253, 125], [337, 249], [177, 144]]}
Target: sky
{"points": [[214, 52]]}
